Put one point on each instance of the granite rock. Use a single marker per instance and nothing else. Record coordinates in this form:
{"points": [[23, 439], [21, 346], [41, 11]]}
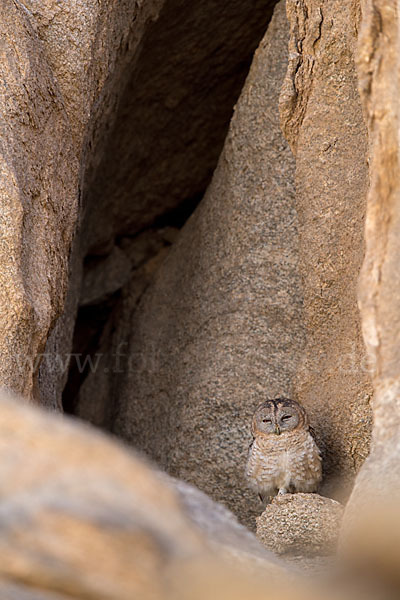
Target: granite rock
{"points": [[300, 524], [371, 532], [219, 328], [84, 517], [322, 118], [61, 68]]}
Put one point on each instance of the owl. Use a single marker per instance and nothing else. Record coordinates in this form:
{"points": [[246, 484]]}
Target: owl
{"points": [[283, 456]]}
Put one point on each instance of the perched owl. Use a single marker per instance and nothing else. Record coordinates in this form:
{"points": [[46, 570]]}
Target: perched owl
{"points": [[283, 456]]}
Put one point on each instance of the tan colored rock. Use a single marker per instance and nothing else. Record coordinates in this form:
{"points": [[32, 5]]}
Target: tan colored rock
{"points": [[173, 116], [300, 524], [83, 517], [219, 329], [39, 170], [108, 61], [371, 533], [60, 66], [322, 118], [88, 48], [54, 367]]}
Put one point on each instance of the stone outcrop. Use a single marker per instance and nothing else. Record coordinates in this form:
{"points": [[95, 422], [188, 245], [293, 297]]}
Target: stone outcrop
{"points": [[220, 326], [193, 301], [322, 118], [173, 116], [75, 64], [300, 524], [39, 170], [371, 533], [83, 517], [57, 94]]}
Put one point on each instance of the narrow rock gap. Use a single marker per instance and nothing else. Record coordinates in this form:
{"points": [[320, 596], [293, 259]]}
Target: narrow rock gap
{"points": [[103, 281], [90, 322], [160, 155]]}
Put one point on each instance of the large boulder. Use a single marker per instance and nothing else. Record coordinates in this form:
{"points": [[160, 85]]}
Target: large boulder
{"points": [[39, 171], [322, 118], [224, 323], [305, 525], [61, 66], [371, 533], [157, 123], [68, 151], [82, 517], [220, 327]]}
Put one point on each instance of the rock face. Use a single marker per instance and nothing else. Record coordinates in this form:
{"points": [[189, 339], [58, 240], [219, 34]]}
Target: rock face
{"points": [[74, 65], [58, 92], [322, 119], [371, 533], [39, 169], [173, 115], [83, 517], [300, 524], [220, 326], [113, 117]]}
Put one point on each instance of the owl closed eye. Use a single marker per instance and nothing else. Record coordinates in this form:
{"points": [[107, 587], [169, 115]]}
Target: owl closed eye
{"points": [[271, 418], [283, 456]]}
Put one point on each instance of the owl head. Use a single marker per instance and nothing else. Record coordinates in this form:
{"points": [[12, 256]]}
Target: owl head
{"points": [[279, 416]]}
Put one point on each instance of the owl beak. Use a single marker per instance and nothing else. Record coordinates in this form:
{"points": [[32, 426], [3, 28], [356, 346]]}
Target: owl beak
{"points": [[277, 430]]}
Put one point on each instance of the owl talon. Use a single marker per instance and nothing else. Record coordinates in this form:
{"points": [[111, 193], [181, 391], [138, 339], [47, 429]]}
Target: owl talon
{"points": [[282, 491], [265, 499]]}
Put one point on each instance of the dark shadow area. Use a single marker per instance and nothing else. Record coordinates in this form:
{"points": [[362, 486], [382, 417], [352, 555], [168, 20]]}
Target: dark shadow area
{"points": [[161, 152], [90, 322]]}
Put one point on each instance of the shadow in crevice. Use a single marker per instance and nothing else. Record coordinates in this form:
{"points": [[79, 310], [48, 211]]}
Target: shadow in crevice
{"points": [[160, 154]]}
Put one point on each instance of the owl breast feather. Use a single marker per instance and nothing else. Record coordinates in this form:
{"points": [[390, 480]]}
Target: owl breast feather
{"points": [[288, 461]]}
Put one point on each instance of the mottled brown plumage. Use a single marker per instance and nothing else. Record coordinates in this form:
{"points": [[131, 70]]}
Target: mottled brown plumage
{"points": [[283, 456]]}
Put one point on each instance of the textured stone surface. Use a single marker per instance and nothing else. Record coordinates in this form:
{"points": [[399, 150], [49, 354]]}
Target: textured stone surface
{"points": [[300, 524], [54, 366], [84, 517], [219, 329], [60, 68], [372, 529], [222, 529], [105, 278], [39, 170], [150, 122], [322, 118], [95, 399], [173, 115]]}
